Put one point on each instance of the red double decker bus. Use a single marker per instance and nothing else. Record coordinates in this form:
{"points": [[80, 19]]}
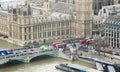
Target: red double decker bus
{"points": [[59, 45], [86, 41]]}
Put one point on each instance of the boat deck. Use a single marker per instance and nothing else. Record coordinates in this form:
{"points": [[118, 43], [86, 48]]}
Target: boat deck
{"points": [[75, 68], [84, 68]]}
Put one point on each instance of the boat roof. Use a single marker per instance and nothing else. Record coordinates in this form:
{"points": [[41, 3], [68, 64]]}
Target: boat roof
{"points": [[81, 67], [111, 68], [101, 61], [99, 66]]}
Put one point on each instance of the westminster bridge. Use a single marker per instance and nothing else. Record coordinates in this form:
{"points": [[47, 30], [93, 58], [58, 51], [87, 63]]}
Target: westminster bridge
{"points": [[25, 57]]}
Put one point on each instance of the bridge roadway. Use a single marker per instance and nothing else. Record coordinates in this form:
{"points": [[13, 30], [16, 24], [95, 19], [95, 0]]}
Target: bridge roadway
{"points": [[27, 56]]}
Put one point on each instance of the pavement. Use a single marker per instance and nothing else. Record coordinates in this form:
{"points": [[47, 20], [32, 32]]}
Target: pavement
{"points": [[93, 54], [107, 57]]}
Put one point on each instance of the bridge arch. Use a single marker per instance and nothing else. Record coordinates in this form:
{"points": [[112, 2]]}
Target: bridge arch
{"points": [[19, 60], [40, 57], [35, 56], [13, 62]]}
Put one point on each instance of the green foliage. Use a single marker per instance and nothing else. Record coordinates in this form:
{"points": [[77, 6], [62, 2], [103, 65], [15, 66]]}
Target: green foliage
{"points": [[98, 31]]}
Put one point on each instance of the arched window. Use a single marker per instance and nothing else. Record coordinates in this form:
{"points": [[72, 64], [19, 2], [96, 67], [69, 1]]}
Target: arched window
{"points": [[104, 10], [109, 13], [41, 12]]}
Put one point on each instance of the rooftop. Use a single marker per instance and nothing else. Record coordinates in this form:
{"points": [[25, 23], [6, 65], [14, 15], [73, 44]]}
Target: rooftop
{"points": [[96, 18], [64, 7], [39, 0], [59, 15], [110, 7], [35, 7], [115, 20], [6, 4], [3, 13]]}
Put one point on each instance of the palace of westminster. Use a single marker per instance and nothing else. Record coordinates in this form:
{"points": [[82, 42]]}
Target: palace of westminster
{"points": [[37, 22]]}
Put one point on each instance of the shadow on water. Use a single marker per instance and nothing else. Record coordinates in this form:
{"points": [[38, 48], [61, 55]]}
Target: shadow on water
{"points": [[11, 63], [16, 62], [43, 57]]}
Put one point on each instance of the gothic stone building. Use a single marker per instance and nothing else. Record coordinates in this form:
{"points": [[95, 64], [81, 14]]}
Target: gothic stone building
{"points": [[27, 24], [30, 22], [84, 14]]}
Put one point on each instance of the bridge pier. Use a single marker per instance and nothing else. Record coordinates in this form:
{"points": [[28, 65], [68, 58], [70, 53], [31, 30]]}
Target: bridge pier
{"points": [[27, 60], [63, 55], [73, 57]]}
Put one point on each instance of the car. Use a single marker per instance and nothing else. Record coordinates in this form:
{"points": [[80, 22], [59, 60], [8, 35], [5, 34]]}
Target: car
{"points": [[4, 52], [33, 50]]}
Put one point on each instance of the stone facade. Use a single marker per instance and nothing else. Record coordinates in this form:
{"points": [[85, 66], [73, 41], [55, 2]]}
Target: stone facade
{"points": [[97, 4], [116, 1], [112, 31], [4, 23], [97, 22], [107, 11], [84, 14], [27, 24], [35, 22]]}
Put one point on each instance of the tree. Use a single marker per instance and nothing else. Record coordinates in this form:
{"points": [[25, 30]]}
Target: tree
{"points": [[99, 44], [103, 45]]}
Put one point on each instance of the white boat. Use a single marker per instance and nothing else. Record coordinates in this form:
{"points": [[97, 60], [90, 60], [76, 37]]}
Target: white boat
{"points": [[111, 68], [75, 68], [99, 66]]}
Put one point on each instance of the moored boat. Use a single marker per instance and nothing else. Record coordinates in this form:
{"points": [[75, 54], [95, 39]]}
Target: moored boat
{"points": [[75, 68]]}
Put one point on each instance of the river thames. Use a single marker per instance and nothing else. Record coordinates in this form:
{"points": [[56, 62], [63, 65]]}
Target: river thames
{"points": [[44, 64]]}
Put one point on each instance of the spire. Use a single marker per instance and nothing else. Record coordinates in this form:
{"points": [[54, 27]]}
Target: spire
{"points": [[17, 9], [8, 7], [29, 10], [11, 8]]}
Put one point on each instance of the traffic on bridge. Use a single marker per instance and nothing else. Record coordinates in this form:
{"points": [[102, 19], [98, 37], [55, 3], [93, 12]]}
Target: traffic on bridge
{"points": [[39, 49]]}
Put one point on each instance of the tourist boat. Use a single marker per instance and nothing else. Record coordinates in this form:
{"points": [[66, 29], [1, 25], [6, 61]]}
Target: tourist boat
{"points": [[103, 66], [75, 68], [96, 60], [67, 68]]}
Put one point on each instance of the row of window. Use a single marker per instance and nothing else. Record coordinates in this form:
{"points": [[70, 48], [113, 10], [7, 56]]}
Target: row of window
{"points": [[46, 27], [114, 41], [112, 27], [46, 34], [113, 35], [42, 20]]}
